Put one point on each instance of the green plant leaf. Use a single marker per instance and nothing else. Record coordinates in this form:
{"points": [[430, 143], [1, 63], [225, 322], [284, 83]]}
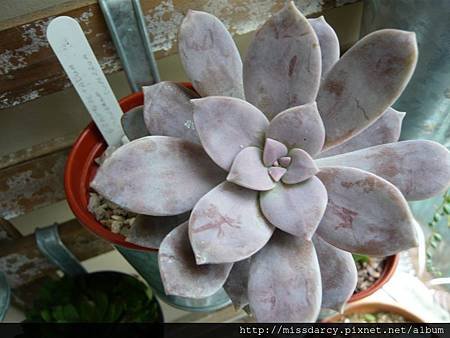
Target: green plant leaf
{"points": [[70, 313], [360, 258], [46, 315]]}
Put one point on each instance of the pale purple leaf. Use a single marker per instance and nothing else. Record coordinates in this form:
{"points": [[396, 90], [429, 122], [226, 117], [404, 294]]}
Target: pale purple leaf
{"points": [[209, 56], [157, 175], [227, 125], [248, 170], [299, 127], [329, 43], [365, 214], [338, 272], [386, 129], [149, 231], [297, 208], [365, 82], [133, 123], [180, 275], [273, 150], [283, 64], [301, 168], [226, 225], [285, 161], [236, 284], [419, 168], [168, 111], [284, 281], [277, 173]]}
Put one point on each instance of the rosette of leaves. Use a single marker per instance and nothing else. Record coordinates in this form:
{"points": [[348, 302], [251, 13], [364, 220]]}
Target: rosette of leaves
{"points": [[98, 297], [287, 163]]}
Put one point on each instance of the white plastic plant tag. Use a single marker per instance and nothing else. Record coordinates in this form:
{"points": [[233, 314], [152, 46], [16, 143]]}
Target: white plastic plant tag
{"points": [[79, 62]]}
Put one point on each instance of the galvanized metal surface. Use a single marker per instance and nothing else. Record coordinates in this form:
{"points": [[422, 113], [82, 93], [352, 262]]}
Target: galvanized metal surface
{"points": [[51, 245], [126, 24], [5, 295]]}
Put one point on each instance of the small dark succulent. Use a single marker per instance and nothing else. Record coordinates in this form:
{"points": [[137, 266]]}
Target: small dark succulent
{"points": [[98, 297], [287, 163]]}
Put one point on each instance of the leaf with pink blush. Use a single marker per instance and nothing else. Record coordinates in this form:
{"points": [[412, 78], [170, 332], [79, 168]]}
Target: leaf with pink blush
{"points": [[386, 129], [157, 175], [419, 168], [299, 127], [227, 226], [329, 43], [210, 56], [301, 168], [273, 150], [367, 79], [365, 214], [168, 111], [236, 284], [338, 273], [227, 125], [284, 281], [149, 231], [283, 64], [133, 123], [277, 173], [180, 275], [248, 171], [297, 208]]}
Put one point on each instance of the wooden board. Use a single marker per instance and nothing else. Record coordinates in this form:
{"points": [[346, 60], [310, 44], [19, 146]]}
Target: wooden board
{"points": [[22, 262], [32, 184], [29, 69]]}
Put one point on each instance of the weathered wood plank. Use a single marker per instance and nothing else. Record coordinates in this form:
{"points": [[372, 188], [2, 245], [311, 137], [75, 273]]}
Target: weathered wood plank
{"points": [[22, 262], [29, 69], [32, 184]]}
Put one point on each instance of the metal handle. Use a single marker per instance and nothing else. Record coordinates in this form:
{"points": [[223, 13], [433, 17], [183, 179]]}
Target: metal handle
{"points": [[5, 295], [51, 245], [126, 24]]}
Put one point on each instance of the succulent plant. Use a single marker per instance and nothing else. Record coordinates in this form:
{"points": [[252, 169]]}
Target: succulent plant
{"points": [[288, 162]]}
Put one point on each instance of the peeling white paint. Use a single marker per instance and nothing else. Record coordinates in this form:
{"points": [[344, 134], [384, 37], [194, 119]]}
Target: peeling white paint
{"points": [[162, 24], [5, 102], [20, 269]]}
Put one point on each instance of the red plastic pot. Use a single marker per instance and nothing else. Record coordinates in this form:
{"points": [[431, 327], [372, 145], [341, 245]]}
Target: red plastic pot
{"points": [[389, 268]]}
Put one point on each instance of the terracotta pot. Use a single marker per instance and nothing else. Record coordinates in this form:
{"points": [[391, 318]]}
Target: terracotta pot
{"points": [[389, 268], [80, 170], [373, 308]]}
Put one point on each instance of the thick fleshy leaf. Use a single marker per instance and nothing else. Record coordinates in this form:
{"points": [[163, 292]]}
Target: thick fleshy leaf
{"points": [[384, 130], [168, 111], [157, 175], [301, 168], [285, 161], [299, 127], [149, 231], [248, 171], [180, 275], [419, 168], [227, 125], [273, 150], [338, 272], [328, 41], [365, 82], [284, 281], [209, 56], [133, 123], [226, 225], [236, 284], [365, 214], [277, 173], [282, 67], [297, 208]]}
